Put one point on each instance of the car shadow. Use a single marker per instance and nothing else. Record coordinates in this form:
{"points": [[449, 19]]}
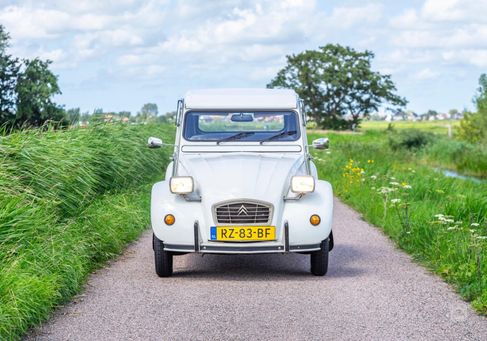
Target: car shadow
{"points": [[267, 266]]}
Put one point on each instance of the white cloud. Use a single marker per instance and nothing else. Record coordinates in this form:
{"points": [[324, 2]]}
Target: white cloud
{"points": [[449, 31], [242, 42], [425, 74], [475, 57], [24, 23], [346, 17], [454, 10]]}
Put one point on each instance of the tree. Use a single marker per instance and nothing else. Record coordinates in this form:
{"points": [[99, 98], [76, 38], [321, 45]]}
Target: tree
{"points": [[453, 113], [73, 115], [473, 126], [36, 86], [169, 117], [9, 70], [337, 83], [123, 114], [148, 112], [430, 113]]}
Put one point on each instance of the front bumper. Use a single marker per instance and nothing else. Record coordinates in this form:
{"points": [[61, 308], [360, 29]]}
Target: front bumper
{"points": [[240, 248]]}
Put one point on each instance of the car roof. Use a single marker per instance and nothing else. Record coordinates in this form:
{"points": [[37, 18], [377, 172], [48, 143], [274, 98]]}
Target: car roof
{"points": [[263, 99]]}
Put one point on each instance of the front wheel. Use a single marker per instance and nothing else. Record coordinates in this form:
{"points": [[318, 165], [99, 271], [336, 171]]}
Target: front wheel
{"points": [[162, 259], [319, 259]]}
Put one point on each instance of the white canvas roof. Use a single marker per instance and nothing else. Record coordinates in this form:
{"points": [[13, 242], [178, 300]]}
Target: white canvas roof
{"points": [[241, 99]]}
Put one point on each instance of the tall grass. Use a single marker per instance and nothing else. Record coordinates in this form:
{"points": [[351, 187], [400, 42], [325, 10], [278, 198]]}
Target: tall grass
{"points": [[441, 221], [68, 201], [466, 158]]}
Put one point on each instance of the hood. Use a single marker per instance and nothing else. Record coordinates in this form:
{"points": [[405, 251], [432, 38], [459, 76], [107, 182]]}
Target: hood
{"points": [[220, 177]]}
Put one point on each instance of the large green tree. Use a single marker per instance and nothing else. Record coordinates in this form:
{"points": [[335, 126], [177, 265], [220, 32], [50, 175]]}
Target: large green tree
{"points": [[337, 85], [36, 86], [473, 127], [9, 70]]}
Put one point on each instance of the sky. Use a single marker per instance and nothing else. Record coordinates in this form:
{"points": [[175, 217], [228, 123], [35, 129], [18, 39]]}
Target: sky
{"points": [[119, 54]]}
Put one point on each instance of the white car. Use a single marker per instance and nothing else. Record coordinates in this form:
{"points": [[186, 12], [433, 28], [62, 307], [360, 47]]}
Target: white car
{"points": [[241, 181]]}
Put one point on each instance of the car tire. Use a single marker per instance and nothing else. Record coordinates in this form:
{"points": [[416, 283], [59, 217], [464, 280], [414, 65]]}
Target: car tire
{"points": [[319, 259], [162, 259]]}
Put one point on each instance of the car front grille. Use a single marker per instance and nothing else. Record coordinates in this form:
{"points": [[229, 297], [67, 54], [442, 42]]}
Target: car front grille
{"points": [[243, 212]]}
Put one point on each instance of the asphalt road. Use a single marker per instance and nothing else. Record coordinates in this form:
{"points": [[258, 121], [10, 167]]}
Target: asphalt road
{"points": [[372, 292]]}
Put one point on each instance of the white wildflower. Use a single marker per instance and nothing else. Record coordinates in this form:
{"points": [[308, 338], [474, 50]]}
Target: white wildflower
{"points": [[482, 237], [475, 224], [407, 186], [395, 201], [386, 190], [394, 183], [451, 228], [373, 177]]}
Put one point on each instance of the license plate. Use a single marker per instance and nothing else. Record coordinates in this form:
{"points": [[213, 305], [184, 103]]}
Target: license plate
{"points": [[243, 233]]}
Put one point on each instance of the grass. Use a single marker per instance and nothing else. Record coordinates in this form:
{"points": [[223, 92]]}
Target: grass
{"points": [[70, 200], [441, 221], [439, 152], [438, 127]]}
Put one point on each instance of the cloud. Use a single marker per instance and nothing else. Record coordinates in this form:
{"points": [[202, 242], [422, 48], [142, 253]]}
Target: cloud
{"points": [[477, 57], [189, 43], [449, 31], [349, 16], [425, 74]]}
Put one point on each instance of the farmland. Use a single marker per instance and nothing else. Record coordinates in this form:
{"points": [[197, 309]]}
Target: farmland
{"points": [[440, 127], [439, 220], [70, 200]]}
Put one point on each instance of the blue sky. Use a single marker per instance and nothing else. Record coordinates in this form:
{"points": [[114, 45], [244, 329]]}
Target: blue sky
{"points": [[119, 54]]}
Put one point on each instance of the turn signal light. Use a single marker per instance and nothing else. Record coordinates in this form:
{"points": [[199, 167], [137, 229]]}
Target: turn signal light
{"points": [[315, 220], [169, 219]]}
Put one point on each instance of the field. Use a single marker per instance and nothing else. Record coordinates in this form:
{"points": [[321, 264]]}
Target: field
{"points": [[441, 221], [440, 127], [70, 200]]}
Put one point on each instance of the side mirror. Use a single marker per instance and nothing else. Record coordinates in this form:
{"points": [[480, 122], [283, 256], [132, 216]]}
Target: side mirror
{"points": [[154, 142], [321, 143]]}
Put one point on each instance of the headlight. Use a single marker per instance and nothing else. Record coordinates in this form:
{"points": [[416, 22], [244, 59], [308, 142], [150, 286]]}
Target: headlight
{"points": [[302, 184], [181, 184]]}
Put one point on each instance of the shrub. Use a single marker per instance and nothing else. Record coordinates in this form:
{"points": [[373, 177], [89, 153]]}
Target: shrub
{"points": [[410, 139]]}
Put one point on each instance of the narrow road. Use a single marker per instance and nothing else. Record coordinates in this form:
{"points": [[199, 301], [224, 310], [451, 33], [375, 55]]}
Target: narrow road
{"points": [[372, 292]]}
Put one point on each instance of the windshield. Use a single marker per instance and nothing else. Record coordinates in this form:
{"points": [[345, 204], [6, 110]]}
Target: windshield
{"points": [[222, 126]]}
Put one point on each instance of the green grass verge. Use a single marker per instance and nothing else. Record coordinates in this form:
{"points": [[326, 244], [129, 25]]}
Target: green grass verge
{"points": [[70, 200], [441, 221]]}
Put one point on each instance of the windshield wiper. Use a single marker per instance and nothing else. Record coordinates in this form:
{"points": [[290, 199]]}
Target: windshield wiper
{"points": [[236, 136], [274, 137]]}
